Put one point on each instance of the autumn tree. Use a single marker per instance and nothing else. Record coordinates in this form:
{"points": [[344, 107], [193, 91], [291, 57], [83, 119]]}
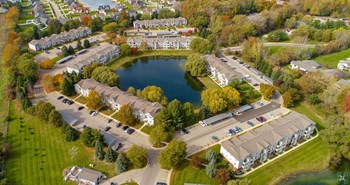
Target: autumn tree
{"points": [[267, 90], [195, 65], [154, 94], [58, 78], [312, 83], [126, 115], [125, 49], [196, 161], [137, 155], [287, 100], [86, 20], [94, 100], [46, 64], [173, 154], [346, 103], [218, 100], [223, 175], [12, 17], [158, 135], [47, 83], [9, 53]]}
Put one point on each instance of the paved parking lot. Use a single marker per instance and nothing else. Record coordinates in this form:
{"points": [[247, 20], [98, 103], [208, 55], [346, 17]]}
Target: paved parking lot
{"points": [[98, 122], [201, 137]]}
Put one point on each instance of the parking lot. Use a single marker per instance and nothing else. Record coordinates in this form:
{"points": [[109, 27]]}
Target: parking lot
{"points": [[200, 137], [98, 122]]}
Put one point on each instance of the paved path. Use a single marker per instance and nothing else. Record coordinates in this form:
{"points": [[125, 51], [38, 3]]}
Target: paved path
{"points": [[56, 9]]}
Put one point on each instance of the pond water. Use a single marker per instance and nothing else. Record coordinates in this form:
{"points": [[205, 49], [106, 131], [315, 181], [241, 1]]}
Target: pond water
{"points": [[93, 4], [340, 176], [165, 72]]}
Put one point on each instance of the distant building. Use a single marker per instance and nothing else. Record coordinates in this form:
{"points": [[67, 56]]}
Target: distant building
{"points": [[3, 10], [101, 53], [222, 73], [155, 23], [85, 176], [57, 39], [257, 146], [305, 65], [164, 42], [115, 98], [342, 83], [334, 73], [344, 64]]}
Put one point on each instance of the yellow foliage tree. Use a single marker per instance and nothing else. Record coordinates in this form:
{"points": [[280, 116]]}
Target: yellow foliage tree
{"points": [[48, 83], [10, 52], [12, 17], [94, 100], [46, 64]]}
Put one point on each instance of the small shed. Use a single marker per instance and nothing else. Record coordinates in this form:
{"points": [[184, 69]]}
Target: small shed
{"points": [[71, 120], [109, 139]]}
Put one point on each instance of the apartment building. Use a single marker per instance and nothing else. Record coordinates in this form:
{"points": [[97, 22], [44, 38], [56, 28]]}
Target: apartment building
{"points": [[161, 43], [155, 23]]}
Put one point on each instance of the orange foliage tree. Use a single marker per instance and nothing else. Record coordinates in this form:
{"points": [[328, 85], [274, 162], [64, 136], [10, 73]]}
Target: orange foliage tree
{"points": [[346, 103], [58, 79], [86, 20], [11, 37], [46, 64], [10, 51], [11, 17], [48, 83]]}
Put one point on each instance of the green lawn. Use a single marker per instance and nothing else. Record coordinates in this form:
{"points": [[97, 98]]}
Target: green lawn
{"points": [[115, 64], [333, 59], [106, 111], [146, 129], [273, 50], [311, 112], [128, 5], [311, 156], [244, 89], [40, 152], [208, 82], [81, 99]]}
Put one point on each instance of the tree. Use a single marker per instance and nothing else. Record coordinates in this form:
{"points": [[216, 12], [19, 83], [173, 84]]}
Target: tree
{"points": [[267, 90], [157, 135], [43, 110], [96, 24], [71, 134], [211, 169], [11, 18], [125, 49], [195, 65], [173, 154], [232, 96], [200, 45], [153, 94], [214, 99], [287, 100], [126, 115], [110, 27], [137, 155], [196, 161], [47, 82], [99, 153], [277, 36], [211, 156], [67, 87], [131, 90], [223, 175], [54, 26], [79, 46], [106, 76], [239, 182], [94, 100], [165, 13], [26, 65], [189, 111], [121, 164], [71, 50], [9, 53], [89, 136], [86, 43], [64, 51], [111, 155], [46, 64], [55, 118], [86, 20], [346, 103]]}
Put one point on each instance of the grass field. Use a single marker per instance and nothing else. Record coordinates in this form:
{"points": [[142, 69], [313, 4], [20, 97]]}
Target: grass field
{"points": [[146, 129], [208, 82], [311, 156], [316, 116], [40, 152], [115, 64], [333, 59]]}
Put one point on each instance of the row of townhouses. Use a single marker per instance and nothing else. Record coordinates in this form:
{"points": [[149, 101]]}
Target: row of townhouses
{"points": [[115, 98], [57, 39], [102, 53], [222, 73], [164, 42], [160, 23], [257, 146]]}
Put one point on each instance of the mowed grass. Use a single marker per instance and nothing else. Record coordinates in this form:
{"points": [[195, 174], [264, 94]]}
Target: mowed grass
{"points": [[313, 155], [208, 82], [312, 113], [332, 59], [40, 152]]}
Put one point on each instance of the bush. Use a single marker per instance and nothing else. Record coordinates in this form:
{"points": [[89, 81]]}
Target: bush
{"points": [[277, 36]]}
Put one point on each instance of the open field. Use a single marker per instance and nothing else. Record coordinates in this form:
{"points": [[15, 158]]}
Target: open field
{"points": [[115, 64], [332, 59], [40, 152]]}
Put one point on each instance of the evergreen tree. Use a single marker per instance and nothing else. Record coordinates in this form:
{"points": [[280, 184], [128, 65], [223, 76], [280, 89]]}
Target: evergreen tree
{"points": [[71, 134], [111, 155], [211, 156], [121, 164], [71, 50], [99, 153], [67, 87], [86, 43], [64, 51], [211, 169], [79, 46], [55, 118]]}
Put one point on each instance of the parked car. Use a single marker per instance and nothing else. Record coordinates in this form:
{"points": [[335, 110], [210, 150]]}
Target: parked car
{"points": [[118, 125], [125, 127], [234, 58], [240, 62], [119, 145], [109, 120], [65, 100], [93, 113], [130, 131], [260, 103], [216, 139], [271, 115], [161, 183], [232, 132], [238, 129], [69, 102], [256, 84], [80, 107], [60, 97], [259, 119], [250, 123], [263, 118], [246, 76], [184, 131], [84, 126], [229, 132], [107, 128]]}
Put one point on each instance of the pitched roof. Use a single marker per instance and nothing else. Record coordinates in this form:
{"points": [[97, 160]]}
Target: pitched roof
{"points": [[308, 65], [159, 21], [269, 134], [222, 67], [90, 175]]}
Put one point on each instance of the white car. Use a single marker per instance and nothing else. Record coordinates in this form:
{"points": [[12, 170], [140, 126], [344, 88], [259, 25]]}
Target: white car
{"points": [[271, 115], [202, 123], [246, 76]]}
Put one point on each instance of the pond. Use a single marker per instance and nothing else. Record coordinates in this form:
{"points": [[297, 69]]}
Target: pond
{"points": [[325, 177], [93, 4], [165, 72]]}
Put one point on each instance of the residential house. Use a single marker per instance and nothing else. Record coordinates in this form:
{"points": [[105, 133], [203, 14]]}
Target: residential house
{"points": [[57, 39], [155, 23], [3, 10], [132, 13], [81, 10], [38, 10], [103, 8], [85, 176], [333, 73], [344, 64], [342, 83], [258, 145], [222, 73], [114, 15], [115, 98], [305, 65], [102, 16], [102, 53], [162, 43]]}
